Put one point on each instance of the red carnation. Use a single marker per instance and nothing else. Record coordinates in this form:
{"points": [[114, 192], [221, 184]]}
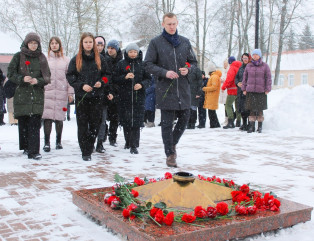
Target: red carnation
{"points": [[64, 109], [139, 181], [126, 213], [168, 175], [187, 64], [159, 217], [251, 209], [188, 218], [27, 62], [111, 199], [222, 208], [241, 210], [168, 220], [200, 212], [128, 68], [153, 212], [132, 207], [245, 188], [105, 79], [211, 212], [134, 193]]}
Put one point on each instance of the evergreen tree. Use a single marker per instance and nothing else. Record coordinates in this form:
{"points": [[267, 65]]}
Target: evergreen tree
{"points": [[291, 42], [306, 41]]}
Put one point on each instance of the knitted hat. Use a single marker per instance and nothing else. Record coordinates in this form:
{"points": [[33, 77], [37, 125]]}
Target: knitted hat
{"points": [[132, 46], [231, 59], [258, 52], [211, 67], [100, 40], [114, 44], [32, 37]]}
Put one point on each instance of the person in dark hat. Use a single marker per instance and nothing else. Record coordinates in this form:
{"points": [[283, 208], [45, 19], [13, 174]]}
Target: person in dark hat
{"points": [[29, 69], [246, 58], [113, 56]]}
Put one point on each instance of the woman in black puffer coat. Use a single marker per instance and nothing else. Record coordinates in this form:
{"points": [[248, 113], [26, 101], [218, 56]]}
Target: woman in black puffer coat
{"points": [[86, 74], [132, 80]]}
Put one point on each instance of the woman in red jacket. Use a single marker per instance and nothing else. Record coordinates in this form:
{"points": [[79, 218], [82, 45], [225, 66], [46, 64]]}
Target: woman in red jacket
{"points": [[232, 91]]}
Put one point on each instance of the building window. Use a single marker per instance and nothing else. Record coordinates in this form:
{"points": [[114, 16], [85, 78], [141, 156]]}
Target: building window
{"points": [[304, 79], [281, 80], [291, 79]]}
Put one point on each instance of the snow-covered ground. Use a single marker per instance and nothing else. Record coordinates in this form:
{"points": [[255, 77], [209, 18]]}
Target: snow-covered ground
{"points": [[281, 159]]}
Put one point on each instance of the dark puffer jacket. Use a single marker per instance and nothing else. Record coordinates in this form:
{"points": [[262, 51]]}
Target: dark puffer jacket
{"points": [[2, 99], [89, 75], [131, 102], [161, 56], [112, 63], [241, 96], [28, 99], [196, 85]]}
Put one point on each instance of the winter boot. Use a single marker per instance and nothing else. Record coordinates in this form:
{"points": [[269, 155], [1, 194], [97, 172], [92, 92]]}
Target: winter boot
{"points": [[113, 140], [133, 150], [230, 124], [251, 127], [58, 142], [189, 126], [238, 123], [244, 126], [259, 127], [171, 161], [99, 147], [47, 144]]}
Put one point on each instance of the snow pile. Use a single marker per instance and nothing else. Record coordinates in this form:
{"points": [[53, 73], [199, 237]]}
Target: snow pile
{"points": [[291, 110]]}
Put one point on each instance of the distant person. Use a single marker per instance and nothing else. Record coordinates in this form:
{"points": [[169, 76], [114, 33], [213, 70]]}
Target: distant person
{"points": [[229, 84], [113, 56], [170, 58], [2, 99], [150, 104], [57, 94], [201, 110], [195, 78], [108, 97], [212, 90], [223, 95], [241, 98], [256, 85], [29, 69], [85, 74], [132, 80]]}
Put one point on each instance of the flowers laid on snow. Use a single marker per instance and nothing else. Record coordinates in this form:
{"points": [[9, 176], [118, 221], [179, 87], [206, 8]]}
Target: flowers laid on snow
{"points": [[245, 202]]}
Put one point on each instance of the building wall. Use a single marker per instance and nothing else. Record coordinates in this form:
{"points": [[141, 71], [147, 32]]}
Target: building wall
{"points": [[292, 78]]}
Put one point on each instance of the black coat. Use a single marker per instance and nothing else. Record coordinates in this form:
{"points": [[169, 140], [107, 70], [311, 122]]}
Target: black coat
{"points": [[112, 64], [131, 102], [240, 96], [89, 75], [2, 98], [196, 82], [161, 57]]}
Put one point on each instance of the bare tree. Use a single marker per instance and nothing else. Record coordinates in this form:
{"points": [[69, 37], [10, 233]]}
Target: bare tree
{"points": [[285, 20]]}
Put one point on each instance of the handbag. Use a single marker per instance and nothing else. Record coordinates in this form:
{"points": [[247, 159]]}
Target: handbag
{"points": [[9, 89]]}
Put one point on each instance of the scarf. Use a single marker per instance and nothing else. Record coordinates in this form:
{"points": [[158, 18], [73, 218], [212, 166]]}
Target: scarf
{"points": [[173, 39], [44, 67], [257, 62]]}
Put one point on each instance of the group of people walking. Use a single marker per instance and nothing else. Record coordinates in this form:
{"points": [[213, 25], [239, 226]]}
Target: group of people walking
{"points": [[107, 85]]}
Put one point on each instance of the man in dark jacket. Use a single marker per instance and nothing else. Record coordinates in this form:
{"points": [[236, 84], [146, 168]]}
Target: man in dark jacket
{"points": [[2, 99], [170, 58], [113, 56]]}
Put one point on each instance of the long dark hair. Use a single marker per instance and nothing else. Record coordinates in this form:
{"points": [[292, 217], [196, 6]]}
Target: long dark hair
{"points": [[79, 56]]}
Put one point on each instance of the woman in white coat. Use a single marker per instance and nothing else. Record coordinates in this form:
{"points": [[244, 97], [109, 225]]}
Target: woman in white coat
{"points": [[57, 93]]}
